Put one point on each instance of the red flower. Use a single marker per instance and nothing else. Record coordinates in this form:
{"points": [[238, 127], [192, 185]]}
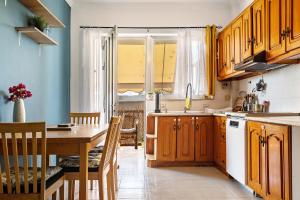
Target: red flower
{"points": [[19, 92]]}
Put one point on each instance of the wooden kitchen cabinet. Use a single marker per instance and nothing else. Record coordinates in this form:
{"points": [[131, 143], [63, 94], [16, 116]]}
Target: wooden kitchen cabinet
{"points": [[236, 46], [150, 131], [269, 160], [204, 139], [259, 27], [222, 55], [166, 138], [185, 139], [277, 162], [276, 24], [247, 33], [293, 24], [220, 142], [255, 157]]}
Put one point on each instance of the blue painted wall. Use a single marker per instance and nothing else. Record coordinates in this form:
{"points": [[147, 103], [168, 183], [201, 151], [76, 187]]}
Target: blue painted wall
{"points": [[47, 75]]}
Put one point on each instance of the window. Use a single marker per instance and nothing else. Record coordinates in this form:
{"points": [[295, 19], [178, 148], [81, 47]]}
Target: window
{"points": [[164, 62], [131, 67]]}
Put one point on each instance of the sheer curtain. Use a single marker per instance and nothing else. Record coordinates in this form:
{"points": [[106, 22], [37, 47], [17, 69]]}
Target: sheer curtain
{"points": [[190, 67], [91, 87]]}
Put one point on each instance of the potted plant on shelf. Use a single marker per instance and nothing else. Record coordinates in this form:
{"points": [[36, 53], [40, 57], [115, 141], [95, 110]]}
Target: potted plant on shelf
{"points": [[38, 22], [17, 95]]}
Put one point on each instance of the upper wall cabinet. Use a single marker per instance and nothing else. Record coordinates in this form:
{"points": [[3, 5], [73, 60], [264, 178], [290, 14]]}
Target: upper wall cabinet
{"points": [[236, 48], [293, 24], [272, 26], [259, 26], [247, 34], [283, 33], [275, 28]]}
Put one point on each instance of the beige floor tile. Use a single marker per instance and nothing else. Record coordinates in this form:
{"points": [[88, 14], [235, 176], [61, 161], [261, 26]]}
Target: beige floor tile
{"points": [[137, 182]]}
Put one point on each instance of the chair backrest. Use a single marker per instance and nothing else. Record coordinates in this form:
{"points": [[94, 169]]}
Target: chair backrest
{"points": [[111, 141], [85, 118], [28, 138]]}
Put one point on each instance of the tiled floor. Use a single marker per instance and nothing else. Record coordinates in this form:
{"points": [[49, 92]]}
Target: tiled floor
{"points": [[185, 183]]}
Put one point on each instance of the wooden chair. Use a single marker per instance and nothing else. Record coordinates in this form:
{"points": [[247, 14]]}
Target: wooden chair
{"points": [[85, 118], [100, 165], [24, 140]]}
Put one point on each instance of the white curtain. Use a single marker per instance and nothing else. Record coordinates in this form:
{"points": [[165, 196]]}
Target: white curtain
{"points": [[190, 67], [91, 87]]}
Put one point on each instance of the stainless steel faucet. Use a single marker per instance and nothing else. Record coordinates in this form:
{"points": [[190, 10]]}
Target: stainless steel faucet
{"points": [[188, 101]]}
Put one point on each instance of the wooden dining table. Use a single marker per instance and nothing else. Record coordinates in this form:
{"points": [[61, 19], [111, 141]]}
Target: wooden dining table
{"points": [[77, 141]]}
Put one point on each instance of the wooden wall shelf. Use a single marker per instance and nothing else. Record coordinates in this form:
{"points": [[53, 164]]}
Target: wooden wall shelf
{"points": [[36, 35], [39, 9]]}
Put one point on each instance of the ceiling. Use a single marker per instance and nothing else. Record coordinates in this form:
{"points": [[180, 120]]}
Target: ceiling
{"points": [[152, 1]]}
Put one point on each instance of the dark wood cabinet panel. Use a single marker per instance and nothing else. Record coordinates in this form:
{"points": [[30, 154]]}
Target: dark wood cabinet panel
{"points": [[166, 138], [185, 139], [204, 139]]}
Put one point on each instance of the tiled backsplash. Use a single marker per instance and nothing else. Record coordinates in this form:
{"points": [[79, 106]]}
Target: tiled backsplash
{"points": [[283, 88]]}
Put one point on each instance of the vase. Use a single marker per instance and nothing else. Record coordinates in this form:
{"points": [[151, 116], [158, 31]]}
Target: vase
{"points": [[19, 111]]}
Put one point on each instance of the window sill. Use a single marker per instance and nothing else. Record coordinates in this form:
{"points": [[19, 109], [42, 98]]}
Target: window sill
{"points": [[194, 98]]}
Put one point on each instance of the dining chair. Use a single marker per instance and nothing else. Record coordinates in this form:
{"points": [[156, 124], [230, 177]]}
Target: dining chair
{"points": [[85, 118], [100, 165], [26, 179]]}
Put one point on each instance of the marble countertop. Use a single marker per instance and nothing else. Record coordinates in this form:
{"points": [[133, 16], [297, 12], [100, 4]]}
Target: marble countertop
{"points": [[285, 120]]}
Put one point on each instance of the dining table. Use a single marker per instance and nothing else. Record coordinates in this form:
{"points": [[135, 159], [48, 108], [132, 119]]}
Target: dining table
{"points": [[77, 140]]}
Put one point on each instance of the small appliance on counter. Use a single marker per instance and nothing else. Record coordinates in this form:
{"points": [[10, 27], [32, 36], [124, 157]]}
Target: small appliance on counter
{"points": [[157, 102]]}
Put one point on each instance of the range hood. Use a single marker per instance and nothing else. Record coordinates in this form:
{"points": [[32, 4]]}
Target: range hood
{"points": [[257, 63]]}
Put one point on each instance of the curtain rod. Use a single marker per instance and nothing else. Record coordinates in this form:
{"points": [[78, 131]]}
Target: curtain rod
{"points": [[131, 27]]}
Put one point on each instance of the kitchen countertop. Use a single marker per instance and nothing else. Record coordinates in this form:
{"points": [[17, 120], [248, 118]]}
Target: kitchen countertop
{"points": [[285, 120], [188, 113], [180, 113]]}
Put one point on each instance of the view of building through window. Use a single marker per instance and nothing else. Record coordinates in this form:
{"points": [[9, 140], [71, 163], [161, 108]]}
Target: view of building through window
{"points": [[131, 66], [164, 66]]}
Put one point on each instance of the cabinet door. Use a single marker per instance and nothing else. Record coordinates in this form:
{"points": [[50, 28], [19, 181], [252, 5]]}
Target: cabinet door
{"points": [[247, 33], [166, 138], [223, 149], [255, 157], [293, 24], [150, 131], [217, 139], [237, 41], [185, 139], [228, 68], [277, 163], [275, 24], [204, 139], [259, 22]]}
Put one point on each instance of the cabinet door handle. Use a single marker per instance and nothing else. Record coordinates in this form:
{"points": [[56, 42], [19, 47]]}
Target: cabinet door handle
{"points": [[287, 31], [283, 34], [232, 60], [179, 124], [174, 125], [197, 126]]}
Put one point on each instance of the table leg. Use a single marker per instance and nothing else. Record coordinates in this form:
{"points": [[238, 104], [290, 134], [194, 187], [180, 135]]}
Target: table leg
{"points": [[83, 176]]}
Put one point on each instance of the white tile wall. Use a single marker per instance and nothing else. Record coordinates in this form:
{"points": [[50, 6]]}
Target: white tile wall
{"points": [[283, 88]]}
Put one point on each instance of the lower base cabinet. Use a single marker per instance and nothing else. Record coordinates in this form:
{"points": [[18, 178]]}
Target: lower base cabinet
{"points": [[220, 142], [269, 160]]}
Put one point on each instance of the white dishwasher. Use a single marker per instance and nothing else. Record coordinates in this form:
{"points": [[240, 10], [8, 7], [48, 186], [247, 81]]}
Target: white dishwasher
{"points": [[236, 148]]}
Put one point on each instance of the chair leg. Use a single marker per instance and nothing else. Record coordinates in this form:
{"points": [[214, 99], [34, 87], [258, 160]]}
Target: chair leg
{"points": [[92, 184], [54, 196], [109, 185], [136, 141], [101, 188], [112, 183], [115, 172], [71, 188], [62, 192]]}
